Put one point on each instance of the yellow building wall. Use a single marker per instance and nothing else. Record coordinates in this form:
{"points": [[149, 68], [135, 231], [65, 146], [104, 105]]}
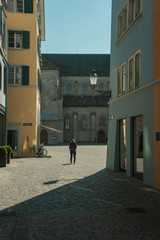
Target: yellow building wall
{"points": [[23, 101], [157, 89]]}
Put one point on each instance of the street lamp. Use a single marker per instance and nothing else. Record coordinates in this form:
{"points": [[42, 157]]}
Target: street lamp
{"points": [[93, 82]]}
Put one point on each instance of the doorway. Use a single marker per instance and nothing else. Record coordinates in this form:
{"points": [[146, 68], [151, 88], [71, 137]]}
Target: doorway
{"points": [[44, 137], [138, 147], [101, 136], [122, 146]]}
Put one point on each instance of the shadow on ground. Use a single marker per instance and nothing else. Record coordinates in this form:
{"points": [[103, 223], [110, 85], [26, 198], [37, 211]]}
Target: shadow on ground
{"points": [[95, 207]]}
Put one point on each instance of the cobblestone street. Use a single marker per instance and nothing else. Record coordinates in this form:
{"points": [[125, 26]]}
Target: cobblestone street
{"points": [[50, 199]]}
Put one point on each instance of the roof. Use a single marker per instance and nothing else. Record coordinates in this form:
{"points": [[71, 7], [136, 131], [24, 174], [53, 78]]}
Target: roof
{"points": [[48, 117], [77, 64], [85, 101]]}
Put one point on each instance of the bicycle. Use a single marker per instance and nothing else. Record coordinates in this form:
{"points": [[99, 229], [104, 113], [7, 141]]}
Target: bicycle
{"points": [[38, 151]]}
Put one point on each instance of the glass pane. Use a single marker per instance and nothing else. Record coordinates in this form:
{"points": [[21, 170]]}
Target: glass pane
{"points": [[118, 82], [138, 145], [18, 75], [138, 7], [18, 40], [84, 90], [68, 90], [10, 5], [11, 39], [67, 123], [124, 79], [131, 11], [123, 160], [124, 19], [19, 5], [137, 70], [131, 68], [11, 75], [15, 140]]}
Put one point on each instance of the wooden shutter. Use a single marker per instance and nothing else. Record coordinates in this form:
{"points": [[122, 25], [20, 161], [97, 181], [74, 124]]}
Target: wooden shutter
{"points": [[25, 75], [28, 6], [26, 39]]}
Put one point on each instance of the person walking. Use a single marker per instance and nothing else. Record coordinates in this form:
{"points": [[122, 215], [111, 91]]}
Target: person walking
{"points": [[73, 147]]}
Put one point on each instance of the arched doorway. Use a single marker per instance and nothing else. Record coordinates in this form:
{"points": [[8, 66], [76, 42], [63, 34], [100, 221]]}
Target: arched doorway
{"points": [[44, 137], [101, 136]]}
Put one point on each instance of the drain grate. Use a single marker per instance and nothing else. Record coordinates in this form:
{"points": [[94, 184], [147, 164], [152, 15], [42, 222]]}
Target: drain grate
{"points": [[136, 210]]}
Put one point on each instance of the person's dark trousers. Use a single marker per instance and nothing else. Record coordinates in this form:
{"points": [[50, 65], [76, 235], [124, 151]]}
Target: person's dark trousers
{"points": [[74, 154]]}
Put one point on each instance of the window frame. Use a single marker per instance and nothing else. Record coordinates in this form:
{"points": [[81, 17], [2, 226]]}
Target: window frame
{"points": [[121, 17], [15, 32], [67, 121], [14, 79], [121, 83], [122, 28], [134, 71], [14, 8], [84, 89], [68, 89]]}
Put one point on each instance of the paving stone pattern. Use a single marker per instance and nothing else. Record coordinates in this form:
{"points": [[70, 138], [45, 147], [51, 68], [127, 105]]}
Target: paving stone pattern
{"points": [[51, 199]]}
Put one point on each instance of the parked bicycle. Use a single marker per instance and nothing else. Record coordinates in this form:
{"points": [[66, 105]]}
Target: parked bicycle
{"points": [[38, 151]]}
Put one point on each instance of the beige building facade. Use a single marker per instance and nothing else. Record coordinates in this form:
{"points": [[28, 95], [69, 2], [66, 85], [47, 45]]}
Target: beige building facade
{"points": [[68, 102]]}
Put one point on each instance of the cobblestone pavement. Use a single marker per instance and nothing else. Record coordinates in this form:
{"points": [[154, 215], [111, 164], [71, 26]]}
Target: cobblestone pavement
{"points": [[50, 199]]}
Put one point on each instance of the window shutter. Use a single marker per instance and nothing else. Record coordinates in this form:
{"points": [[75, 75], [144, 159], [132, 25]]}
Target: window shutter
{"points": [[26, 39], [0, 19], [25, 75], [28, 6]]}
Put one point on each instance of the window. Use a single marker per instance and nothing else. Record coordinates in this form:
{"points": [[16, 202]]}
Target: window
{"points": [[67, 122], [102, 121], [15, 5], [137, 70], [18, 75], [83, 123], [18, 39], [20, 6], [122, 21], [101, 87], [129, 14], [134, 10], [84, 90], [68, 89], [13, 139], [121, 80], [134, 69]]}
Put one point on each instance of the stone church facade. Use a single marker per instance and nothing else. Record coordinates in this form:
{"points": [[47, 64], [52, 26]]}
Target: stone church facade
{"points": [[70, 108]]}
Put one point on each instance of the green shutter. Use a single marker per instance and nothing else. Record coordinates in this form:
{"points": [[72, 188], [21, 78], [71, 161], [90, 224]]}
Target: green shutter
{"points": [[26, 39], [25, 75], [28, 6]]}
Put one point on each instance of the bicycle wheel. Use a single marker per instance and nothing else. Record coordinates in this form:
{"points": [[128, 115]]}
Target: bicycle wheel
{"points": [[45, 152]]}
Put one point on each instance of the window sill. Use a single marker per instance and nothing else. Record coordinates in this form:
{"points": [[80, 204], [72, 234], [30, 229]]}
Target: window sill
{"points": [[128, 29]]}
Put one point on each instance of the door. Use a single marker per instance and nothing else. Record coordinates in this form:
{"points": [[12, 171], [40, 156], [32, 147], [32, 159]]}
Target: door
{"points": [[101, 136], [138, 147], [122, 145], [44, 137]]}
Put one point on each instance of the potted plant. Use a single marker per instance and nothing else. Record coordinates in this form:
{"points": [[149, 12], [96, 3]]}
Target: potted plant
{"points": [[3, 156], [9, 150]]}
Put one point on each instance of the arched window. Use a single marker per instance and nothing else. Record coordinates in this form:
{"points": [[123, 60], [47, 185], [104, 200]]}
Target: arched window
{"points": [[84, 123], [102, 120], [66, 122], [68, 89], [84, 89]]}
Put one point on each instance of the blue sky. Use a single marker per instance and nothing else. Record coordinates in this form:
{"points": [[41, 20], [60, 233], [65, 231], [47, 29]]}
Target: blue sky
{"points": [[77, 26]]}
